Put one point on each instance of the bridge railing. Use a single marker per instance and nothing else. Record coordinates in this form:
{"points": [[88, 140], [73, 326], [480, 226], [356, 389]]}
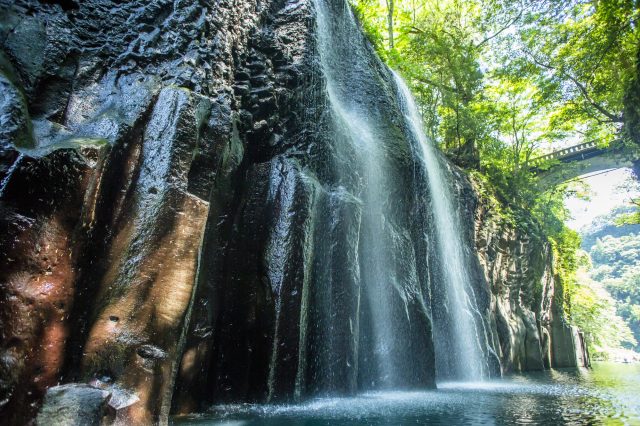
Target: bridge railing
{"points": [[571, 150]]}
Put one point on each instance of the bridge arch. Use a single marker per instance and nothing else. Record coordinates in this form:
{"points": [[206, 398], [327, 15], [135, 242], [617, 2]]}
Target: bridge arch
{"points": [[582, 159]]}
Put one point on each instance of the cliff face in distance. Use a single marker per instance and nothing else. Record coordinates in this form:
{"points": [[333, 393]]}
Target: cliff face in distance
{"points": [[165, 184], [526, 294]]}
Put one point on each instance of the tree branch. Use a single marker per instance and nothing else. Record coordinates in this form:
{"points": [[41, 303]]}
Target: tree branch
{"points": [[614, 118], [434, 83], [491, 37]]}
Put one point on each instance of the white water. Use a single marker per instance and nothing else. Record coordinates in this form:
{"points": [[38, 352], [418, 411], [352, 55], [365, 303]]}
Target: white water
{"points": [[605, 394], [352, 121], [369, 149], [467, 353]]}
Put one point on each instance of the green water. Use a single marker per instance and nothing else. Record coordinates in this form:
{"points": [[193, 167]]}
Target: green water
{"points": [[606, 394]]}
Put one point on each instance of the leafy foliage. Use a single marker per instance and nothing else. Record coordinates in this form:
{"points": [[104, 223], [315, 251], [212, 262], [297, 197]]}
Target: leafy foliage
{"points": [[501, 81], [616, 266], [614, 257], [586, 51], [608, 224], [632, 217], [596, 314]]}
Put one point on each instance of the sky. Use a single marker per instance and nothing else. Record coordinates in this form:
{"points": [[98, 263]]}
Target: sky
{"points": [[607, 191]]}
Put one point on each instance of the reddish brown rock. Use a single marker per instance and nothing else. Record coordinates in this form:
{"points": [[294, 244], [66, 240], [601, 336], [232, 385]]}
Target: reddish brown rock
{"points": [[151, 265], [41, 223]]}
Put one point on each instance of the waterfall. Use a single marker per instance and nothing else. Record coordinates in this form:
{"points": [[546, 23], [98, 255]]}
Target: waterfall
{"points": [[361, 281], [458, 338], [395, 336]]}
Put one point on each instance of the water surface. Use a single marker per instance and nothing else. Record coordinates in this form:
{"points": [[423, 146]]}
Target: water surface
{"points": [[606, 394]]}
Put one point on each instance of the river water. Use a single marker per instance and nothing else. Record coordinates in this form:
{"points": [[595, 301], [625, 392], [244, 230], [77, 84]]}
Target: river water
{"points": [[606, 394]]}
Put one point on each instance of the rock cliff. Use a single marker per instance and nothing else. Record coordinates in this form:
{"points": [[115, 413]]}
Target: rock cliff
{"points": [[516, 264], [174, 229]]}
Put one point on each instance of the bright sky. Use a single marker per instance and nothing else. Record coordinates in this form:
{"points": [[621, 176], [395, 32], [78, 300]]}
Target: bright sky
{"points": [[608, 191]]}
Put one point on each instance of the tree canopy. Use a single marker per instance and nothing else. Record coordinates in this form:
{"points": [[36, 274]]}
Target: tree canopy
{"points": [[499, 82]]}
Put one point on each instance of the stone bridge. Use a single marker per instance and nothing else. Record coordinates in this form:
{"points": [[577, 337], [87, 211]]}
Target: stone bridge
{"points": [[583, 159]]}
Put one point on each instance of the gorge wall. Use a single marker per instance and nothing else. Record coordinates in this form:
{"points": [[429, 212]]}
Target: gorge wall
{"points": [[516, 262], [183, 219]]}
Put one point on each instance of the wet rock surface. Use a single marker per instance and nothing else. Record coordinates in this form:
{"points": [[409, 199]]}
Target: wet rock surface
{"points": [[516, 266], [74, 405], [180, 225], [41, 243], [115, 120]]}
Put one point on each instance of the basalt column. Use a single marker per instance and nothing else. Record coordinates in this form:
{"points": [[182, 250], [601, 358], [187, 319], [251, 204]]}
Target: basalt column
{"points": [[116, 121]]}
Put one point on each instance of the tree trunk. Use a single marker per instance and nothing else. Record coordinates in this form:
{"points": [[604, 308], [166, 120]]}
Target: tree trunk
{"points": [[390, 22], [631, 114]]}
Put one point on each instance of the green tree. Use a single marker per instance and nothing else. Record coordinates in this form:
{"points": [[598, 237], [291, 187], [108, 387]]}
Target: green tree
{"points": [[594, 311], [585, 52], [616, 268]]}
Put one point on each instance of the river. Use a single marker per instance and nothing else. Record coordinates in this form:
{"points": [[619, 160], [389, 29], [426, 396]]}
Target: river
{"points": [[608, 394]]}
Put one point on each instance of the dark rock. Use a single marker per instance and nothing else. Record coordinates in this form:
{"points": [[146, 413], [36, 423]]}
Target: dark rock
{"points": [[41, 207], [526, 317], [152, 258], [73, 405]]}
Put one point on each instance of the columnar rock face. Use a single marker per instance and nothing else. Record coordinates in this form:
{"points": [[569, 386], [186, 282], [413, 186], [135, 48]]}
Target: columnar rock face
{"points": [[117, 127], [516, 265], [175, 230]]}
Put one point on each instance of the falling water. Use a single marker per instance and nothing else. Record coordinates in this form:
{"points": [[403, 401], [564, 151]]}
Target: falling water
{"points": [[354, 122], [391, 292], [352, 255], [458, 340]]}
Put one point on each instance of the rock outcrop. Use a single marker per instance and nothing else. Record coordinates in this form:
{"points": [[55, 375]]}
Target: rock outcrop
{"points": [[173, 227], [516, 264], [117, 124], [74, 404]]}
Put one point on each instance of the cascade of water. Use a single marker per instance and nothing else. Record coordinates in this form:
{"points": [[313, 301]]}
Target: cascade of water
{"points": [[353, 122], [350, 238], [390, 286], [457, 335]]}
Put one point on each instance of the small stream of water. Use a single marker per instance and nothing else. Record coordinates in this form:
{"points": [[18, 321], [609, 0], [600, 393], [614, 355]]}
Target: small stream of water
{"points": [[456, 338]]}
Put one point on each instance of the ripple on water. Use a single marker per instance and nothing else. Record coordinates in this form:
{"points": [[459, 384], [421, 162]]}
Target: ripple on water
{"points": [[605, 395]]}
